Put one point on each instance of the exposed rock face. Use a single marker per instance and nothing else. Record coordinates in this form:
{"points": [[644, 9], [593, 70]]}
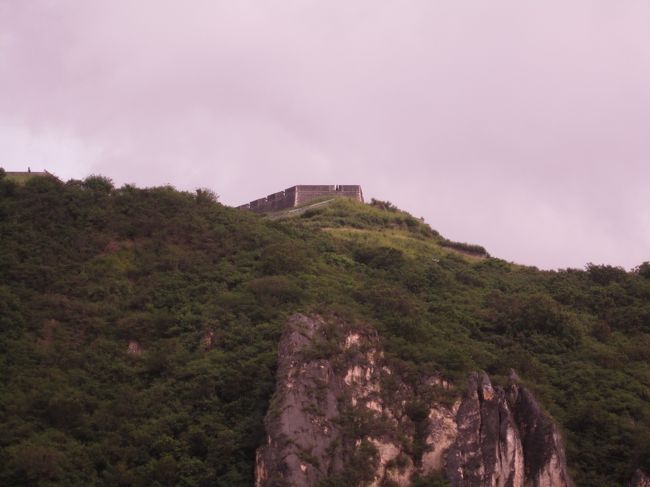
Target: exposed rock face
{"points": [[134, 348], [318, 405], [487, 450], [505, 439], [340, 412], [640, 479], [207, 340], [300, 423], [544, 458], [442, 430]]}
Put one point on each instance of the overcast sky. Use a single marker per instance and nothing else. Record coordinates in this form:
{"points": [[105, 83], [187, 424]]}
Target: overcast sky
{"points": [[520, 125]]}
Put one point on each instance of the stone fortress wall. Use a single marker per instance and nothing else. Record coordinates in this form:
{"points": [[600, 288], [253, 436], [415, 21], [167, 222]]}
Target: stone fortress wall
{"points": [[301, 194]]}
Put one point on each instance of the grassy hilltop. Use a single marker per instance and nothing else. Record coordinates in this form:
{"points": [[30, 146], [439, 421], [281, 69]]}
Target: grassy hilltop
{"points": [[138, 329]]}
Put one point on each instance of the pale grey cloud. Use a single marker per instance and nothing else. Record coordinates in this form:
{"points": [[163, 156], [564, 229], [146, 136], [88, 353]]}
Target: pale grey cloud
{"points": [[520, 125]]}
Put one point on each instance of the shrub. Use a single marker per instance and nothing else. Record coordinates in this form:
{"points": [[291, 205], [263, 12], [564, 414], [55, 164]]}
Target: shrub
{"points": [[33, 462], [383, 205], [99, 184], [643, 270], [525, 315], [275, 290], [464, 247], [206, 196], [605, 274], [379, 257], [284, 258]]}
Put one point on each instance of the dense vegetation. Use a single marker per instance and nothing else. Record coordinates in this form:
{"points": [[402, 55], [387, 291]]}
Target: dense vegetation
{"points": [[138, 329]]}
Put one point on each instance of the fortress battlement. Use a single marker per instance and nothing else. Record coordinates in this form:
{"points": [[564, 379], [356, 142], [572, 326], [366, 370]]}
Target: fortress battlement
{"points": [[301, 194]]}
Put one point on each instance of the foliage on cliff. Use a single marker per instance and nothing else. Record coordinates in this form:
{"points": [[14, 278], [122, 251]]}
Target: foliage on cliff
{"points": [[139, 329]]}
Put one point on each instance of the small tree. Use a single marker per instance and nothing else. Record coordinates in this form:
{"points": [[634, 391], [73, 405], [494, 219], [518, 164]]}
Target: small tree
{"points": [[205, 195], [643, 270], [100, 184]]}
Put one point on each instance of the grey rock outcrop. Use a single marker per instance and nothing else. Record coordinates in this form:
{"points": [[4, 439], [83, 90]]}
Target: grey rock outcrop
{"points": [[487, 450], [640, 479], [340, 412], [544, 457], [300, 423], [330, 410], [505, 439]]}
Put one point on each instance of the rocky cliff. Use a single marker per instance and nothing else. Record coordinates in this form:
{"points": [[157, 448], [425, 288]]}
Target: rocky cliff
{"points": [[505, 439], [342, 416]]}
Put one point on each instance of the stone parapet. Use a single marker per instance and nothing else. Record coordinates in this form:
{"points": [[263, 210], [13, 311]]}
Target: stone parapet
{"points": [[301, 194]]}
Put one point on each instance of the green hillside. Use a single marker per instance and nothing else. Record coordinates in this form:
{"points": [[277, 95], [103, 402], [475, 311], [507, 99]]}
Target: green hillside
{"points": [[139, 329]]}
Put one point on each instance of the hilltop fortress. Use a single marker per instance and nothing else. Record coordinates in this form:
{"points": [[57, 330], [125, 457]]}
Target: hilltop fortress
{"points": [[299, 195]]}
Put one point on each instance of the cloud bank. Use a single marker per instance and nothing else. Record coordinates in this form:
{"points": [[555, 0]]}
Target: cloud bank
{"points": [[523, 126]]}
